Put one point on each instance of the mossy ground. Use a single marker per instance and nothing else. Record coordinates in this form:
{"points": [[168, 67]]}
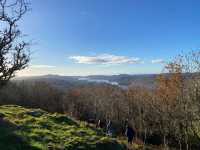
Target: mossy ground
{"points": [[35, 129]]}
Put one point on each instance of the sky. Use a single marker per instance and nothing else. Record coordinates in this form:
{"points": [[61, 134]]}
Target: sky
{"points": [[88, 37]]}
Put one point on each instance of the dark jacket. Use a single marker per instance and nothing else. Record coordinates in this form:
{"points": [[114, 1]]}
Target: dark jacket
{"points": [[130, 133]]}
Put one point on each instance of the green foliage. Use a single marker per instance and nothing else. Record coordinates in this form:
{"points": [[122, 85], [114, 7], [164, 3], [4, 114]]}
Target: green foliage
{"points": [[34, 129]]}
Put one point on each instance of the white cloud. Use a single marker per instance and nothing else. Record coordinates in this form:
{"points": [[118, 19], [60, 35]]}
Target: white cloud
{"points": [[35, 70], [157, 61], [42, 66], [105, 59]]}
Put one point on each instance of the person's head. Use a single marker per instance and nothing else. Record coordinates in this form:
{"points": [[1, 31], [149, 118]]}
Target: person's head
{"points": [[129, 125]]}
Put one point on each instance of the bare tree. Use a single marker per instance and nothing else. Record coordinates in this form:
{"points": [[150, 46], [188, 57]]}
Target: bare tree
{"points": [[14, 52]]}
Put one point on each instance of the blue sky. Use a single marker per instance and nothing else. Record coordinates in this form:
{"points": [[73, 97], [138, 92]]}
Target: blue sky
{"points": [[83, 37]]}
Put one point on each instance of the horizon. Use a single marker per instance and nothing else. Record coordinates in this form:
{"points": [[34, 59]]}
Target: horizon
{"points": [[108, 37], [140, 74]]}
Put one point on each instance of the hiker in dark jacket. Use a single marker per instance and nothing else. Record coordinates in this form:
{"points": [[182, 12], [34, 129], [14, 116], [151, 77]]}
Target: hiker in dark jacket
{"points": [[130, 133]]}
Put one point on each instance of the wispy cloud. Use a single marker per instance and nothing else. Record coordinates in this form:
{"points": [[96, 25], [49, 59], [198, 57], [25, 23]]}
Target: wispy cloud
{"points": [[157, 61], [105, 59], [42, 66]]}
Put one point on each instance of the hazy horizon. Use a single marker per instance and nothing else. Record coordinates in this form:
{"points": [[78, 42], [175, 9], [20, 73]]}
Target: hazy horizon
{"points": [[19, 76]]}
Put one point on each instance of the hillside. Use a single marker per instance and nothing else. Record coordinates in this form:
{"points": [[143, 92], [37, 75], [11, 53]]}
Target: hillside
{"points": [[122, 80], [35, 129], [65, 82]]}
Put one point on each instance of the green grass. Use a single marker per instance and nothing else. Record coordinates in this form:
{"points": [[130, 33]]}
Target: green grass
{"points": [[35, 129]]}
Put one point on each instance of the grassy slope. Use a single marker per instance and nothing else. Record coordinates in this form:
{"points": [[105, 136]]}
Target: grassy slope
{"points": [[31, 129]]}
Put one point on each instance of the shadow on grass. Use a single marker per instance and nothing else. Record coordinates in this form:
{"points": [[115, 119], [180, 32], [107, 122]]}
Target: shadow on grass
{"points": [[9, 140], [110, 145], [64, 119]]}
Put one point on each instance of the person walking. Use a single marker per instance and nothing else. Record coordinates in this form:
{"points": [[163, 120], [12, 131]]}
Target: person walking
{"points": [[109, 128], [130, 133], [98, 125]]}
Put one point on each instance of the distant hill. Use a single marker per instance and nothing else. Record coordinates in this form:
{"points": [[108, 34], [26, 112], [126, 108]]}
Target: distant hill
{"points": [[35, 129], [123, 80]]}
